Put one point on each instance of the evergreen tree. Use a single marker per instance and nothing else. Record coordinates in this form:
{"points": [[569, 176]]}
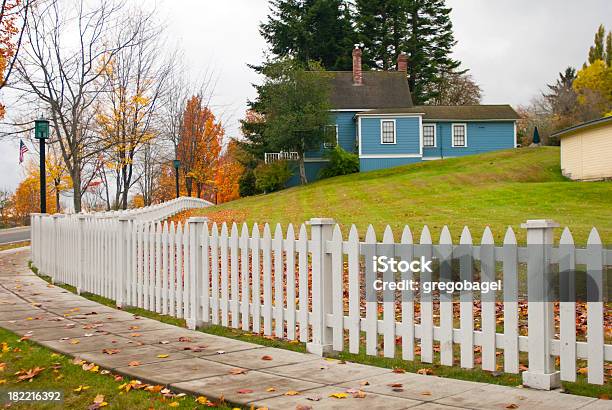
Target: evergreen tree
{"points": [[421, 28], [562, 97], [311, 30]]}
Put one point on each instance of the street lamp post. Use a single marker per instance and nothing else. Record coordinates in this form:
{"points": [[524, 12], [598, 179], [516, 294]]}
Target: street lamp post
{"points": [[177, 164], [41, 132]]}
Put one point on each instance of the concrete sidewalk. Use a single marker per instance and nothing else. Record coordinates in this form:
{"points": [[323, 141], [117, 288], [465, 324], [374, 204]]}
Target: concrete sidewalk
{"points": [[245, 373]]}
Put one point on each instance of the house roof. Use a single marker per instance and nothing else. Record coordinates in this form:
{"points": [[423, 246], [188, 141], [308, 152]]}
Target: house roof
{"points": [[584, 125], [380, 89], [454, 112]]}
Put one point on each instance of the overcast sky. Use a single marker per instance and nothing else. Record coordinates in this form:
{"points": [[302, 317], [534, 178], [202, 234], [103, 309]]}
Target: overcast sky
{"points": [[513, 48]]}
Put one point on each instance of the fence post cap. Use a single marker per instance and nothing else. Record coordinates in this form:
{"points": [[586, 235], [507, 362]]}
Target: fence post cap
{"points": [[197, 219], [539, 224], [321, 221], [125, 218]]}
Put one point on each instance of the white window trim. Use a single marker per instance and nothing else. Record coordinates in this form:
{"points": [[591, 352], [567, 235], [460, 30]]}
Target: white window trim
{"points": [[394, 132], [435, 134], [325, 144], [453, 134]]}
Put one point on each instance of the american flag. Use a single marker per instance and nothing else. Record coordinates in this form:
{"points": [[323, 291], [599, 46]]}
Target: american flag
{"points": [[22, 150]]}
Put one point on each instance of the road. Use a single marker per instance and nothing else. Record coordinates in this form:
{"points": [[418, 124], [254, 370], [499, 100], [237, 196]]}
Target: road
{"points": [[14, 234]]}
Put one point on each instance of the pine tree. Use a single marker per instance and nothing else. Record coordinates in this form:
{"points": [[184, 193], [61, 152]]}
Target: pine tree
{"points": [[305, 30], [609, 49], [421, 28]]}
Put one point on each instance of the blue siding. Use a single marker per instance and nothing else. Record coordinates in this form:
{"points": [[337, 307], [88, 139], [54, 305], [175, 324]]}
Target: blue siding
{"points": [[347, 133], [482, 137], [407, 136], [312, 172], [370, 164]]}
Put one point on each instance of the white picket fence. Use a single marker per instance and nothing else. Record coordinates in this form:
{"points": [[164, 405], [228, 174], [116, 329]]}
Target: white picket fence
{"points": [[158, 212], [308, 285]]}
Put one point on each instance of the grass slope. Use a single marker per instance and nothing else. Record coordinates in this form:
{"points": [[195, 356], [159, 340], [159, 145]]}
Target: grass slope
{"points": [[498, 189]]}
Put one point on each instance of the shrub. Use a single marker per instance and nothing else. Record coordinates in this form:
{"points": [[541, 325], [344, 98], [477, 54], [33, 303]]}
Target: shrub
{"points": [[246, 183], [341, 162], [272, 177]]}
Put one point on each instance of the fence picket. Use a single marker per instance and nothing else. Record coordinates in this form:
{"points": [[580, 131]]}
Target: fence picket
{"points": [[302, 248], [206, 281], [164, 269], [290, 255], [267, 280], [278, 281], [510, 281], [337, 293], [388, 298], [426, 301], [223, 242], [244, 277], [371, 319], [172, 271], [487, 300], [146, 283], [407, 333], [214, 288], [595, 336], [446, 299], [234, 276], [466, 300], [179, 271], [256, 271], [158, 267], [567, 306], [353, 288]]}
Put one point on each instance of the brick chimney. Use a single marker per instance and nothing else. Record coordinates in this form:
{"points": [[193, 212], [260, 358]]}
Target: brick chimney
{"points": [[402, 62], [357, 77]]}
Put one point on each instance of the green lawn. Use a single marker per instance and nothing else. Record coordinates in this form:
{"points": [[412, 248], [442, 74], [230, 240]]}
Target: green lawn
{"points": [[498, 189], [82, 383]]}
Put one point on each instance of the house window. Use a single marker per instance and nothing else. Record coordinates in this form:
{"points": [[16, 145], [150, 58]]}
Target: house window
{"points": [[387, 132], [429, 135], [330, 139], [459, 135]]}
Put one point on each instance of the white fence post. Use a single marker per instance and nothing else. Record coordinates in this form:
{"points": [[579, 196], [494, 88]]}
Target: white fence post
{"points": [[196, 226], [122, 260], [321, 232], [541, 374]]}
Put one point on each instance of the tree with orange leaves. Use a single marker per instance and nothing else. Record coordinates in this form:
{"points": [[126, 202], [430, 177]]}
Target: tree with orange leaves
{"points": [[26, 198], [229, 171], [199, 145], [11, 11]]}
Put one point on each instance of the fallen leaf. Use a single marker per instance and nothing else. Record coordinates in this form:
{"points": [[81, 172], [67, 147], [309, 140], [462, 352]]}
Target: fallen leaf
{"points": [[512, 406], [266, 357], [316, 397], [399, 370], [201, 400], [81, 388], [604, 396], [163, 356], [164, 342], [583, 371], [75, 341], [174, 404], [184, 339], [134, 363], [244, 391], [29, 374], [359, 395], [425, 393], [339, 395], [303, 407], [135, 335], [395, 385], [110, 351], [425, 371], [270, 389], [292, 393], [238, 371]]}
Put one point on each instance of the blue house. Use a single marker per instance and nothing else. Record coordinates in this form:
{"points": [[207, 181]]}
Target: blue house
{"points": [[373, 115]]}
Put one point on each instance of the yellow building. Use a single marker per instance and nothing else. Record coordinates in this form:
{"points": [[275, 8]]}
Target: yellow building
{"points": [[586, 150]]}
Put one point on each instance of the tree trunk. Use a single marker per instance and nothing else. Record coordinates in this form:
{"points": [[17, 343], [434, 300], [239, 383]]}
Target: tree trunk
{"points": [[57, 198], [76, 189], [199, 189], [303, 179], [188, 185]]}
